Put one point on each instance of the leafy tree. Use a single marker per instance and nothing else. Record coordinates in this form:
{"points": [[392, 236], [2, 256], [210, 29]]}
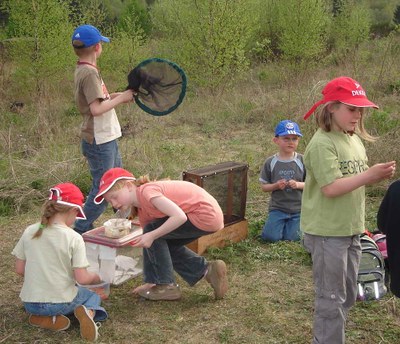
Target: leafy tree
{"points": [[39, 35], [396, 16], [382, 12], [294, 29], [208, 38], [302, 24], [94, 13], [350, 28], [137, 12], [122, 54]]}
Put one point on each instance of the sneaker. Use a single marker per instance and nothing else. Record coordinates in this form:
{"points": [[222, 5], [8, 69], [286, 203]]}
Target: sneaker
{"points": [[55, 322], [216, 276], [87, 324], [162, 292]]}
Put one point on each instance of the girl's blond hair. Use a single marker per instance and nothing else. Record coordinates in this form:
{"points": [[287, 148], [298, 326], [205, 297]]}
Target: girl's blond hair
{"points": [[324, 121], [49, 209], [119, 184]]}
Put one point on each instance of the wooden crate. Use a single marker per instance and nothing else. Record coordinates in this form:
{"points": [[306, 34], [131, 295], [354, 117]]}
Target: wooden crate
{"points": [[227, 182], [235, 232]]}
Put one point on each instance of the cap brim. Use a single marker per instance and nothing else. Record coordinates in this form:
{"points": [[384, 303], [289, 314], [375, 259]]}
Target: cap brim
{"points": [[99, 197], [80, 215], [105, 39], [289, 133], [364, 103]]}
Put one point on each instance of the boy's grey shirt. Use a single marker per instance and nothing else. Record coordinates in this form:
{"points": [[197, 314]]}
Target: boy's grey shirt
{"points": [[274, 169]]}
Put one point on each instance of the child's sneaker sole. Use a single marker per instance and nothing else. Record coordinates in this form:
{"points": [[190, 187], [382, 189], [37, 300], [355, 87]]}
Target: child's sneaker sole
{"points": [[217, 277], [87, 325], [55, 323]]}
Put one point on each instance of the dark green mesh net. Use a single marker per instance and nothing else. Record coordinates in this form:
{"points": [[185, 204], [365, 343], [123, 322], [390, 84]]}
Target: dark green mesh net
{"points": [[160, 86]]}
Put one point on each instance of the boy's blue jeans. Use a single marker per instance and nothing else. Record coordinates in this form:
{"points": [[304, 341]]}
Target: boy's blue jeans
{"points": [[281, 226], [100, 159], [169, 253], [84, 297]]}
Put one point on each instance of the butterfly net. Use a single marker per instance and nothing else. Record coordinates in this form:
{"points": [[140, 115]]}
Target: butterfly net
{"points": [[160, 86]]}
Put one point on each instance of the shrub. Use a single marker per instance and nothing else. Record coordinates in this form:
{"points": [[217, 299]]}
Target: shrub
{"points": [[293, 29], [350, 28], [39, 45], [209, 38]]}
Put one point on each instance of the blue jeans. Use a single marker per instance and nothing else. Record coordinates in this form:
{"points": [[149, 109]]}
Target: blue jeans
{"points": [[100, 159], [169, 253], [84, 297], [281, 226]]}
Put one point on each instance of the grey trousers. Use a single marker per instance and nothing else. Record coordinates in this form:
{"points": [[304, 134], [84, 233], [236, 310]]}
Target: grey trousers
{"points": [[335, 267]]}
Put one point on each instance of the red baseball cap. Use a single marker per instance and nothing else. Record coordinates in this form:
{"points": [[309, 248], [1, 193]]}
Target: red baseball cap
{"points": [[68, 194], [345, 90], [109, 179]]}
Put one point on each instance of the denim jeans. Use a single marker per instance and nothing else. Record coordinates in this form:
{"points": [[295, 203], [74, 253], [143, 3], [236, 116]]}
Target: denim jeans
{"points": [[100, 159], [335, 267], [281, 226], [84, 297], [169, 253]]}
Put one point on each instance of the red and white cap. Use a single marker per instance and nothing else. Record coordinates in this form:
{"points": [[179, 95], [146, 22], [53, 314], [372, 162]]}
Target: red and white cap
{"points": [[68, 194], [109, 179], [345, 90]]}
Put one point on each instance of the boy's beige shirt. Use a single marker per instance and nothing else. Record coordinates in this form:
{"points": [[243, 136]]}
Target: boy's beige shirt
{"points": [[88, 87]]}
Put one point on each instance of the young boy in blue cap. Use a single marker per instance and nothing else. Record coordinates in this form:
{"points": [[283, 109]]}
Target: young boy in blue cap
{"points": [[283, 175], [100, 128]]}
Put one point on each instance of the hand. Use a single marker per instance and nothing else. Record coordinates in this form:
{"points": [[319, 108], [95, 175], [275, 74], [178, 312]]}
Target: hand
{"points": [[281, 184], [381, 171], [292, 184], [145, 241], [127, 96]]}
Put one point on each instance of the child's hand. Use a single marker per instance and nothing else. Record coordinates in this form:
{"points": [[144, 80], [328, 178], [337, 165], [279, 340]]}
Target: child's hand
{"points": [[382, 171], [127, 96], [281, 184], [144, 240], [292, 184]]}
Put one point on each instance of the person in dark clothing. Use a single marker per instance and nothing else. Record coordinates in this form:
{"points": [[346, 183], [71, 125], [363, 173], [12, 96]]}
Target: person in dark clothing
{"points": [[388, 219]]}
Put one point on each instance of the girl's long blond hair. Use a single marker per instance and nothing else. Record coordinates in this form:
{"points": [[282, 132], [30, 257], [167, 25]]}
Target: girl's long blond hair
{"points": [[324, 121], [49, 209]]}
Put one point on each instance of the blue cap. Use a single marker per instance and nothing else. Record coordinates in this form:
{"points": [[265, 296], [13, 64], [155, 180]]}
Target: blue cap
{"points": [[88, 35], [287, 127]]}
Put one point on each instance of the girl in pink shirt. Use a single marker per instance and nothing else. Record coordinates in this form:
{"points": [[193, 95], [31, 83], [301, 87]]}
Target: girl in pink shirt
{"points": [[172, 214]]}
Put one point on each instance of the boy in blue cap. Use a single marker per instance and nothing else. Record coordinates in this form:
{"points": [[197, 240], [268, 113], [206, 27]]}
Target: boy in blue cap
{"points": [[283, 175], [100, 128]]}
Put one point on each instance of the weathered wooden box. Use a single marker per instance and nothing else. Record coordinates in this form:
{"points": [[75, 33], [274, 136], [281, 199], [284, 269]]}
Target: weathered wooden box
{"points": [[227, 182]]}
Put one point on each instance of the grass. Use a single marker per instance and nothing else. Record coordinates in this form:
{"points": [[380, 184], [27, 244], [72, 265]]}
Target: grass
{"points": [[270, 300], [271, 293]]}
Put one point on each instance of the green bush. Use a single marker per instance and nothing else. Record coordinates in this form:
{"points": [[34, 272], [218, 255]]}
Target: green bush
{"points": [[350, 28], [39, 44], [208, 38], [292, 29]]}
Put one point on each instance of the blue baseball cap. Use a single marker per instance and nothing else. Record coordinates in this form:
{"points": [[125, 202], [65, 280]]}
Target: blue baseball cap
{"points": [[88, 35], [287, 127]]}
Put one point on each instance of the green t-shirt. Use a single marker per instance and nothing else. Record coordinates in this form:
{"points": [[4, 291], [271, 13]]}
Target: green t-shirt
{"points": [[329, 156]]}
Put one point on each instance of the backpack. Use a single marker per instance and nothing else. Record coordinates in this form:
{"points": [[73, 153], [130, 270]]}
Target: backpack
{"points": [[371, 273], [380, 240]]}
